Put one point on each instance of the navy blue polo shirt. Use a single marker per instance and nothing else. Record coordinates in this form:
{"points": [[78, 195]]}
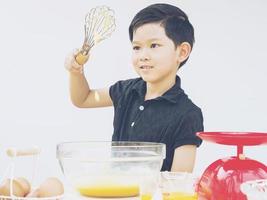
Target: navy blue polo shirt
{"points": [[172, 118]]}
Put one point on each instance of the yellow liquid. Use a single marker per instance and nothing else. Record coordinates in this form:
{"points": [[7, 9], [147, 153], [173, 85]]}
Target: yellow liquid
{"points": [[109, 191], [146, 197], [179, 196]]}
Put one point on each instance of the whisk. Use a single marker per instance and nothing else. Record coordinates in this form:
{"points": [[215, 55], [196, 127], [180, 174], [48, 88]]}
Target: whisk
{"points": [[99, 25]]}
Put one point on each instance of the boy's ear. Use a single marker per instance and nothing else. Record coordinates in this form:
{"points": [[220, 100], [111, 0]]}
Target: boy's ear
{"points": [[183, 50]]}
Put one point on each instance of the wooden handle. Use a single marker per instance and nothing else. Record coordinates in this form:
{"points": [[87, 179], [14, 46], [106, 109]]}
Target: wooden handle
{"points": [[81, 58], [13, 152]]}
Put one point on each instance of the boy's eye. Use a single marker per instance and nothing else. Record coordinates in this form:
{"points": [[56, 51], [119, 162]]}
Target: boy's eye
{"points": [[136, 48], [154, 45]]}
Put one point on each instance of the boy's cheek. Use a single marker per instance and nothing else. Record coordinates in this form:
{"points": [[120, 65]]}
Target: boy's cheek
{"points": [[134, 56], [135, 67], [134, 60]]}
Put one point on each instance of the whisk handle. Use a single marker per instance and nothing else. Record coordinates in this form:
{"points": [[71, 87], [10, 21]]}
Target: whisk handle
{"points": [[31, 151], [81, 59]]}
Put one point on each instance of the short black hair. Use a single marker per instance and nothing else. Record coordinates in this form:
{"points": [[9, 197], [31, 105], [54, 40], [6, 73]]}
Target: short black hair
{"points": [[173, 19]]}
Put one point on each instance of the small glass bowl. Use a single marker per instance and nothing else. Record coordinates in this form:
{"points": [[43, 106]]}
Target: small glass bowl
{"points": [[178, 185]]}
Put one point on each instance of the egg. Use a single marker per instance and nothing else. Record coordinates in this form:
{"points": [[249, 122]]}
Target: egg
{"points": [[51, 187], [25, 184], [17, 188]]}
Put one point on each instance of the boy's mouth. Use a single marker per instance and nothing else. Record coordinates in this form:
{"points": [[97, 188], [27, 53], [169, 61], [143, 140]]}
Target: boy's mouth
{"points": [[146, 67]]}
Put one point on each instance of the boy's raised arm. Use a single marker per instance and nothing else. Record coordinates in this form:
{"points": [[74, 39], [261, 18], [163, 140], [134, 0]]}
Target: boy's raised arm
{"points": [[81, 94]]}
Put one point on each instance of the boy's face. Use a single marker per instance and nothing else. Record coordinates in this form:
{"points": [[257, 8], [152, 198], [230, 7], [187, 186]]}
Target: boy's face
{"points": [[155, 57]]}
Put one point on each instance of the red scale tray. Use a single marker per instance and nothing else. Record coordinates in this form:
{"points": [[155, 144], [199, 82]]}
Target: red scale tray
{"points": [[234, 138]]}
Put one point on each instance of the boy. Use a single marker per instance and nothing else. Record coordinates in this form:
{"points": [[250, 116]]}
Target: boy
{"points": [[152, 108]]}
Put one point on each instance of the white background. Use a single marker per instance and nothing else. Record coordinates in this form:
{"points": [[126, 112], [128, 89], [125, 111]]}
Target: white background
{"points": [[225, 75]]}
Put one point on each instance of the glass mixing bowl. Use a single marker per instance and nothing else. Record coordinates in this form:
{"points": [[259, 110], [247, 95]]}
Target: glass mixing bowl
{"points": [[255, 190], [112, 169]]}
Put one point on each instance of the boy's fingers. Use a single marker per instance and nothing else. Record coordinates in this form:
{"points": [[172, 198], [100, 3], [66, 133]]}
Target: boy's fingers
{"points": [[71, 64], [67, 63], [70, 61], [75, 64], [76, 70]]}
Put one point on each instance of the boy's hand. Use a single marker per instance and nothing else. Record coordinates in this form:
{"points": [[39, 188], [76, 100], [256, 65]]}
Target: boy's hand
{"points": [[72, 65]]}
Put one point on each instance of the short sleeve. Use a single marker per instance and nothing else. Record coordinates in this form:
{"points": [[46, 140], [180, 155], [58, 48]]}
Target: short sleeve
{"points": [[118, 89], [185, 133]]}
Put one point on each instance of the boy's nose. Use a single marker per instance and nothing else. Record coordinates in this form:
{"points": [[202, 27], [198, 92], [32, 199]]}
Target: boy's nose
{"points": [[144, 55]]}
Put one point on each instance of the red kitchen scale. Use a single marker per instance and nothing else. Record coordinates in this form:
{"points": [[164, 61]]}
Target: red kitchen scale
{"points": [[222, 179]]}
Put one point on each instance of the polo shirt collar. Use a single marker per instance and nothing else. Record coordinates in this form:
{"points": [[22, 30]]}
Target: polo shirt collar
{"points": [[172, 95]]}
